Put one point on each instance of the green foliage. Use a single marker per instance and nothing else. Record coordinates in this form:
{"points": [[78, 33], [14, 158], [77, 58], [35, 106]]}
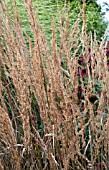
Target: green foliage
{"points": [[48, 9], [36, 114], [94, 17], [95, 22]]}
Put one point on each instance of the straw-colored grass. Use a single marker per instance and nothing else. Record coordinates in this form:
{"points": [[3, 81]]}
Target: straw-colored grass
{"points": [[52, 116]]}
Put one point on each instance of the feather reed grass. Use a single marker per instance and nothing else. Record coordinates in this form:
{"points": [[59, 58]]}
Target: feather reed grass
{"points": [[68, 129]]}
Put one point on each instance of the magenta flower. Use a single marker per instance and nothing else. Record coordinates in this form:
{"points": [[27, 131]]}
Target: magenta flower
{"points": [[107, 52], [82, 73], [82, 59]]}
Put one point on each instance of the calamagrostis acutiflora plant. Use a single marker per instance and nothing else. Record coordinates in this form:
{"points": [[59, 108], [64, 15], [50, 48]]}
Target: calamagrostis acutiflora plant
{"points": [[67, 84]]}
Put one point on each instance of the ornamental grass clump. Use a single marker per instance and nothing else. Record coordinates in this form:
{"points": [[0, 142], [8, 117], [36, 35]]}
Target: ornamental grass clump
{"points": [[54, 99]]}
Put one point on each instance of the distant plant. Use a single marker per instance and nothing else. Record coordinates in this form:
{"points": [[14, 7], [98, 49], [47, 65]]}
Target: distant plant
{"points": [[46, 9]]}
